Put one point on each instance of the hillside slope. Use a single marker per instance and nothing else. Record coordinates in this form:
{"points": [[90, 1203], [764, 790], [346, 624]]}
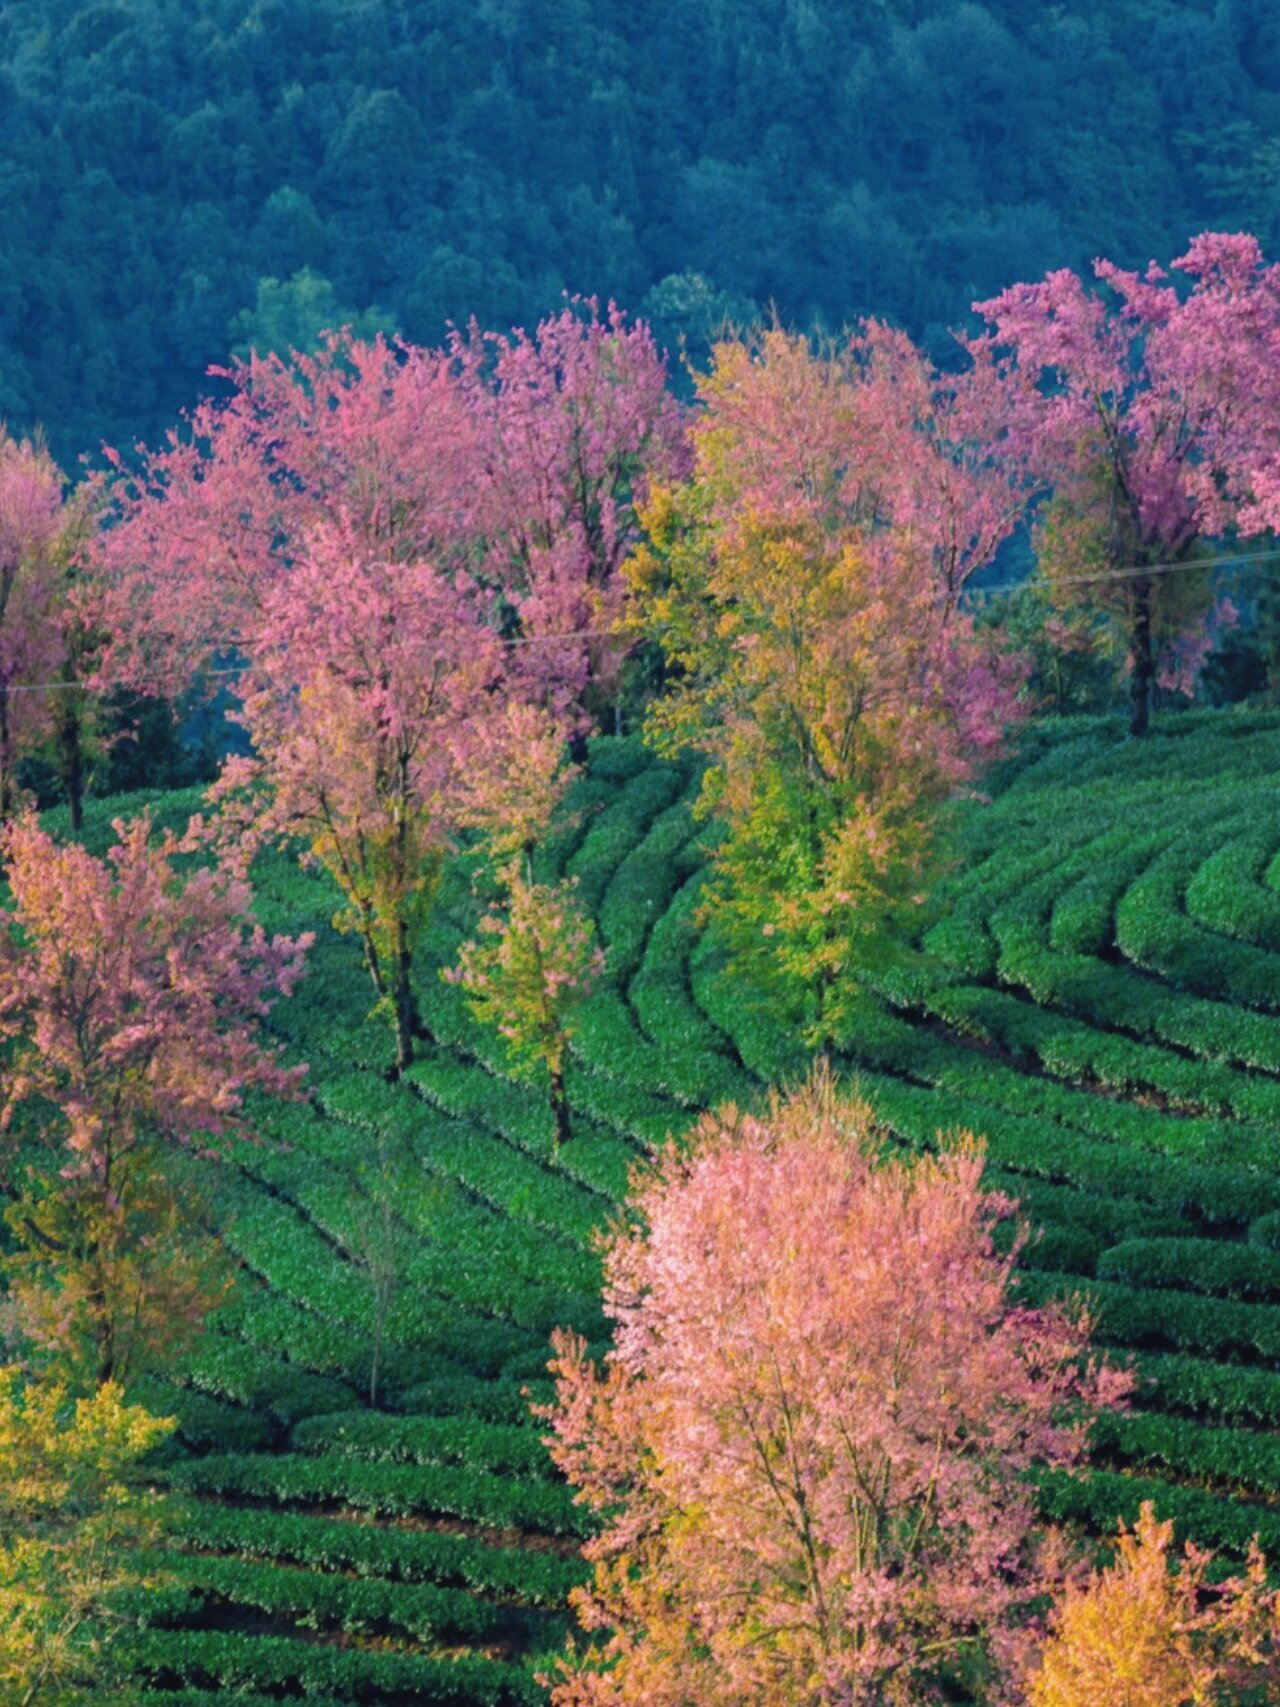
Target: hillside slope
{"points": [[1100, 997]]}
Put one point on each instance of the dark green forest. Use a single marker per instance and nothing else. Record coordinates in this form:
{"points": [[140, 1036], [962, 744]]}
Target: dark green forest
{"points": [[181, 177]]}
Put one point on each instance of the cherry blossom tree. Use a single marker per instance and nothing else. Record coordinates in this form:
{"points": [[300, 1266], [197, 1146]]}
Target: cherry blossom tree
{"points": [[516, 456], [374, 436], [384, 723], [130, 1000], [803, 585], [1149, 411], [807, 1448], [387, 543], [575, 419]]}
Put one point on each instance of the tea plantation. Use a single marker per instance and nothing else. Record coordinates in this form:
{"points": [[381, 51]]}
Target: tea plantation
{"points": [[1097, 990]]}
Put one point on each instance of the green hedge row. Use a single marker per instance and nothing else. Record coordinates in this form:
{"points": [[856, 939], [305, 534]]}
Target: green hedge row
{"points": [[330, 1329], [1155, 934], [1179, 1446], [1227, 893], [1220, 1392], [325, 1173], [1023, 1146], [505, 1177], [235, 1664], [250, 1376], [216, 1697], [471, 1396], [641, 888], [1082, 920], [1109, 1219], [1195, 1265], [763, 1040], [203, 1420], [365, 1606], [1130, 1317], [620, 826], [1102, 1499], [372, 1549], [505, 1449], [1117, 997], [1073, 1049], [886, 1042], [594, 1158], [391, 1490]]}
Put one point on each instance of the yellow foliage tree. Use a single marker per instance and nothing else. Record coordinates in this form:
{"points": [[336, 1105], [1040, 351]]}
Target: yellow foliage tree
{"points": [[72, 1521], [814, 652], [1139, 1634]]}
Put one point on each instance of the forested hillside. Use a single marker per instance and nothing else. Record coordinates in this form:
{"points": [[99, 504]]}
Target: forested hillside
{"points": [[419, 160]]}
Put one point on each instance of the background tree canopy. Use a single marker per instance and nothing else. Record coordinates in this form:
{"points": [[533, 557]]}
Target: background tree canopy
{"points": [[426, 160]]}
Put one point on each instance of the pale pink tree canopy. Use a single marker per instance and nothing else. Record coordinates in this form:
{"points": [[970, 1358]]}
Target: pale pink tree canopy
{"points": [[132, 996], [386, 719], [514, 460], [1162, 382], [807, 1447], [575, 419], [367, 433], [1150, 411]]}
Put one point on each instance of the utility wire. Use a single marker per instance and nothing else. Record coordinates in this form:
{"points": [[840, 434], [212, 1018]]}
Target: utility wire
{"points": [[998, 589]]}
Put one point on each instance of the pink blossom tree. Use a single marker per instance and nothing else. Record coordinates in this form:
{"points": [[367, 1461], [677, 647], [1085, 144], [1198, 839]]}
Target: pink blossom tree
{"points": [[807, 1447], [518, 456], [390, 542], [385, 722], [575, 419], [372, 435], [1150, 413], [130, 1001]]}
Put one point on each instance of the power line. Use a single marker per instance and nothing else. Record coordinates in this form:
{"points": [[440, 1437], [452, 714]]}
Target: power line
{"points": [[1133, 572], [1001, 589]]}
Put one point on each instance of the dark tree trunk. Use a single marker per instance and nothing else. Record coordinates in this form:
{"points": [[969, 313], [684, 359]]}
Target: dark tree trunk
{"points": [[72, 767], [560, 1107], [1142, 664], [402, 1000]]}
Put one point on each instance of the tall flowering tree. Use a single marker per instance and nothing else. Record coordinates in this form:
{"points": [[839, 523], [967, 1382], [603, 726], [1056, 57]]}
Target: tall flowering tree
{"points": [[370, 435], [384, 722], [1149, 412], [803, 585], [131, 996], [575, 420], [807, 1448], [390, 542], [517, 456]]}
